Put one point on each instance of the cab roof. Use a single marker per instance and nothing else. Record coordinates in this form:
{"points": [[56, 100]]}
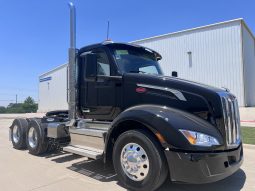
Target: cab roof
{"points": [[110, 43]]}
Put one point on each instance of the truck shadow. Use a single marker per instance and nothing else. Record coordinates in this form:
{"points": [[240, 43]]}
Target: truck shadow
{"points": [[53, 154], [92, 168], [61, 156], [233, 183], [96, 169]]}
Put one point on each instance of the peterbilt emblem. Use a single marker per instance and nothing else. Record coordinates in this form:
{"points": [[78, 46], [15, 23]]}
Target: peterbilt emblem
{"points": [[140, 90]]}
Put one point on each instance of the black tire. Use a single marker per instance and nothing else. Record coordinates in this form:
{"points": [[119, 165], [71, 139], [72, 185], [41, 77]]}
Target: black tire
{"points": [[41, 144], [158, 168], [20, 127]]}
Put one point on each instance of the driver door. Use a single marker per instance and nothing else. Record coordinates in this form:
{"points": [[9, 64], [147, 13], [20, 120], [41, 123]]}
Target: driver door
{"points": [[100, 93]]}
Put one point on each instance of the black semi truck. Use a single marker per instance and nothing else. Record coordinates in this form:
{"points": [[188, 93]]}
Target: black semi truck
{"points": [[152, 127]]}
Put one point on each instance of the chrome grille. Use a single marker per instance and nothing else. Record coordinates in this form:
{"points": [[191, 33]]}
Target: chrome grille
{"points": [[231, 120]]}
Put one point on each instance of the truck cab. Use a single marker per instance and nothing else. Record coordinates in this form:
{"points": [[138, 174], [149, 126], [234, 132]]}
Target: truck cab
{"points": [[151, 127], [103, 80]]}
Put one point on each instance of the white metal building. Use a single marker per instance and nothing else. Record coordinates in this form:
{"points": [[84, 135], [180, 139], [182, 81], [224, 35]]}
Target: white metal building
{"points": [[221, 55], [53, 90]]}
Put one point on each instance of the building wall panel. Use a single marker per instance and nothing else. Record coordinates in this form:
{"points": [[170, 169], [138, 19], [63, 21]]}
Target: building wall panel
{"points": [[249, 66]]}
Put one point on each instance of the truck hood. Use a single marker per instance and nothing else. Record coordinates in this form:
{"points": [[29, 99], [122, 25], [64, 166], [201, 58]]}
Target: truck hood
{"points": [[183, 94], [190, 83]]}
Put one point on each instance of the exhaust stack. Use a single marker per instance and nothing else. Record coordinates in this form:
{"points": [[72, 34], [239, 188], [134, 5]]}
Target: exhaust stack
{"points": [[72, 67]]}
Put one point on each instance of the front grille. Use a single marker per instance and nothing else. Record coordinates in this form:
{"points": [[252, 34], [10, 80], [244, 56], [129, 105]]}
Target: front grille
{"points": [[231, 120]]}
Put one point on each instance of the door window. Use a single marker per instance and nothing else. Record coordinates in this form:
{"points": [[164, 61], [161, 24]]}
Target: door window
{"points": [[103, 64]]}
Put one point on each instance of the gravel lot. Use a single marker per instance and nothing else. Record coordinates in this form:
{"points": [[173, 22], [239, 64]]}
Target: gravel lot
{"points": [[64, 171]]}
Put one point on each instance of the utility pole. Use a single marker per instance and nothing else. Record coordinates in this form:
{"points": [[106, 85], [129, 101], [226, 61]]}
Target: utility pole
{"points": [[16, 98]]}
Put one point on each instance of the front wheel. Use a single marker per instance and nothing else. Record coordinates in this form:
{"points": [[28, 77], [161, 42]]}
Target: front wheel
{"points": [[139, 161]]}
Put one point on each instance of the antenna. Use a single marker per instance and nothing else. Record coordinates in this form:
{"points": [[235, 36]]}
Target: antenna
{"points": [[108, 28]]}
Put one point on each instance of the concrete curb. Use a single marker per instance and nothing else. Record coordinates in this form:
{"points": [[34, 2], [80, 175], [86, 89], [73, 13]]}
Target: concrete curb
{"points": [[249, 146], [245, 124]]}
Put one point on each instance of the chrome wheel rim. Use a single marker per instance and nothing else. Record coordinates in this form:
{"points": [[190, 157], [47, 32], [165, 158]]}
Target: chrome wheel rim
{"points": [[15, 134], [32, 137], [134, 161]]}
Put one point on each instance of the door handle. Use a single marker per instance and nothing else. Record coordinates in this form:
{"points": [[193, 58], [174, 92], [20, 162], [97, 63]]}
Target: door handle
{"points": [[86, 110], [101, 80]]}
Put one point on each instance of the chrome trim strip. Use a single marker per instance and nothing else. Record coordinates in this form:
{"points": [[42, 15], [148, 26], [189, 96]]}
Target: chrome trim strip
{"points": [[233, 122], [177, 93], [228, 122], [238, 124], [88, 132]]}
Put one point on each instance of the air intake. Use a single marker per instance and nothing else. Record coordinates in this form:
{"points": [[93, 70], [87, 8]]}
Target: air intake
{"points": [[231, 120]]}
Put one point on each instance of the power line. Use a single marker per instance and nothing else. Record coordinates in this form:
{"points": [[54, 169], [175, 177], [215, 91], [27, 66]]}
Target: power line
{"points": [[19, 89], [8, 94]]}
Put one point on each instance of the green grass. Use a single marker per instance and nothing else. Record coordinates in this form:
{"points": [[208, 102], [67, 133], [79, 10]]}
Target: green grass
{"points": [[248, 134]]}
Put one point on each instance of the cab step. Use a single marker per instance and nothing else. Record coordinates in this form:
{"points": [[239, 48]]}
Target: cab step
{"points": [[84, 151]]}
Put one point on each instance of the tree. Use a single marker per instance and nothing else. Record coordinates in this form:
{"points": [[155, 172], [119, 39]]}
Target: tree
{"points": [[29, 100], [29, 105], [15, 108], [2, 109]]}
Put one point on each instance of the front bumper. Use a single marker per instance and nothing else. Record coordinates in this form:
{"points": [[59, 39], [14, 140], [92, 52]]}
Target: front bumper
{"points": [[199, 168]]}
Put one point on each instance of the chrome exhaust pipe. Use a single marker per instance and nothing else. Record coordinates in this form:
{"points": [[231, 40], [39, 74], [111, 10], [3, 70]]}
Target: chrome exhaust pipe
{"points": [[72, 67], [72, 25]]}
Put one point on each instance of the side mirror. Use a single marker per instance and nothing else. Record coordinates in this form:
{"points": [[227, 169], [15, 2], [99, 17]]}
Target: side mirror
{"points": [[91, 66], [174, 74]]}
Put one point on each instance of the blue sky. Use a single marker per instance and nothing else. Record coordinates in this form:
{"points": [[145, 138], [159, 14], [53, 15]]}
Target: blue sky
{"points": [[34, 35]]}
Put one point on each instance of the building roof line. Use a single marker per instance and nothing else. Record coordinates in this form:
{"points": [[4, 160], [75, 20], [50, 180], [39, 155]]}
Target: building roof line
{"points": [[49, 72], [192, 29], [247, 27]]}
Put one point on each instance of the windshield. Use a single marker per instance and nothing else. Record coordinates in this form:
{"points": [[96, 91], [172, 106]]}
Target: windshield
{"points": [[136, 60]]}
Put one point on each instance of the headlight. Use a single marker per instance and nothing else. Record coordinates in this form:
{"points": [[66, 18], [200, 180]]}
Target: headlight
{"points": [[199, 139]]}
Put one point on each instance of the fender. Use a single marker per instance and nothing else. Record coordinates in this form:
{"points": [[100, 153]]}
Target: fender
{"points": [[166, 121]]}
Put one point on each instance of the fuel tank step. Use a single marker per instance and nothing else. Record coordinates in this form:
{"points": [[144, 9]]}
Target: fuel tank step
{"points": [[89, 134], [84, 151]]}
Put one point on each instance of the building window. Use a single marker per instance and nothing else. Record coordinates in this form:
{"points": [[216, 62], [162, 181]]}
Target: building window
{"points": [[190, 58]]}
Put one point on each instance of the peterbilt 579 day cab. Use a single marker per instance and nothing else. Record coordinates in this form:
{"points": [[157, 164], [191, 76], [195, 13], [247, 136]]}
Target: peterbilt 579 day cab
{"points": [[150, 126]]}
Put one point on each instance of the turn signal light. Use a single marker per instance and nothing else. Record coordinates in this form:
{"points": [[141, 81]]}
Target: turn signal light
{"points": [[191, 138], [160, 137]]}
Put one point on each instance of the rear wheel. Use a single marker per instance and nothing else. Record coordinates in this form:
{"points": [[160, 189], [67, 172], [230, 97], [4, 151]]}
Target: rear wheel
{"points": [[32, 137], [139, 161], [37, 142], [18, 133]]}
